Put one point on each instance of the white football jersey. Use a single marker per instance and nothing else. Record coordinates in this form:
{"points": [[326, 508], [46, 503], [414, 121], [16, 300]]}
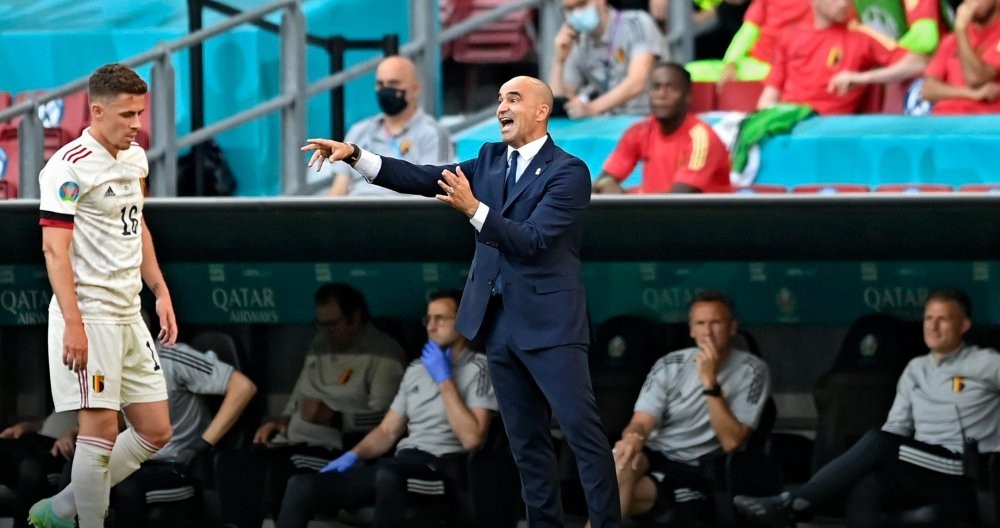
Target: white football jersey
{"points": [[100, 198]]}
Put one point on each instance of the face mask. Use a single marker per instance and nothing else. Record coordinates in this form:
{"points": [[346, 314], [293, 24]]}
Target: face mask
{"points": [[391, 100], [584, 19]]}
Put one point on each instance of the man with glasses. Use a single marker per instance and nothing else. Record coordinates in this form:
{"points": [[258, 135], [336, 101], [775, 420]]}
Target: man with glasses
{"points": [[443, 408], [350, 375]]}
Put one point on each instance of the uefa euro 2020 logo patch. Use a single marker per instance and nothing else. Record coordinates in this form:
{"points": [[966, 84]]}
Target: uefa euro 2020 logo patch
{"points": [[69, 191], [98, 384]]}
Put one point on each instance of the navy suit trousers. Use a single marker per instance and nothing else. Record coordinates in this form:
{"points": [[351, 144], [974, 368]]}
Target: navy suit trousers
{"points": [[528, 384]]}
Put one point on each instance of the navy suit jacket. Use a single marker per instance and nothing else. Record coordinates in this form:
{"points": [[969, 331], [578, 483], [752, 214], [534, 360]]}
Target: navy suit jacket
{"points": [[532, 241]]}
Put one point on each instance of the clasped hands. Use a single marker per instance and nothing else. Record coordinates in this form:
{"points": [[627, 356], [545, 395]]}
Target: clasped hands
{"points": [[455, 186]]}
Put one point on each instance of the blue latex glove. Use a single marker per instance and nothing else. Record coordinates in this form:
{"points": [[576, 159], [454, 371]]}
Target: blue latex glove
{"points": [[436, 361], [341, 463]]}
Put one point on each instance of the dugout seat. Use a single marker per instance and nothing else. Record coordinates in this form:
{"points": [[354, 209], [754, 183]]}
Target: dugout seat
{"points": [[6, 99], [204, 502], [485, 495], [830, 188], [856, 393], [625, 348], [739, 96]]}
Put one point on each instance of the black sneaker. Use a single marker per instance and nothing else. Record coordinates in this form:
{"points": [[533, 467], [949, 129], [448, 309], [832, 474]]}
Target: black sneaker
{"points": [[775, 509]]}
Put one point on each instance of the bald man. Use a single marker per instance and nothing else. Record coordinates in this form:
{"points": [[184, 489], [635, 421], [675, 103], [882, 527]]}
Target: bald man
{"points": [[526, 199], [402, 130]]}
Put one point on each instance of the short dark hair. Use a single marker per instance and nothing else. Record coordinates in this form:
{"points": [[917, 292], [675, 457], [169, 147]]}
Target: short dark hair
{"points": [[954, 295], [680, 70], [114, 79], [716, 296], [347, 298], [453, 294]]}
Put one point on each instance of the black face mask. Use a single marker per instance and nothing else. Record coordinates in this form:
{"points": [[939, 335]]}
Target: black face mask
{"points": [[391, 100]]}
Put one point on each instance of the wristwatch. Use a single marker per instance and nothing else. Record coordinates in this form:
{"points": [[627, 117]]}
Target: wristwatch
{"points": [[715, 391], [354, 157]]}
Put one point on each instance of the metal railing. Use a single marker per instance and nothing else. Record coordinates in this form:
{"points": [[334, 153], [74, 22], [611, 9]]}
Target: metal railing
{"points": [[164, 144], [423, 48]]}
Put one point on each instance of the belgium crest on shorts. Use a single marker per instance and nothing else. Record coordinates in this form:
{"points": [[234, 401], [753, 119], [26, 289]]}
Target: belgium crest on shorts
{"points": [[98, 382]]}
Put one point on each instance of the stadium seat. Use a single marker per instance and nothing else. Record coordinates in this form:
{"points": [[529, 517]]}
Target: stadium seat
{"points": [[740, 96], [146, 124], [450, 13], [894, 98], [856, 393], [702, 97], [9, 169], [830, 188], [6, 99], [762, 188], [625, 348], [873, 100], [62, 119], [980, 187], [506, 40], [485, 494], [911, 188]]}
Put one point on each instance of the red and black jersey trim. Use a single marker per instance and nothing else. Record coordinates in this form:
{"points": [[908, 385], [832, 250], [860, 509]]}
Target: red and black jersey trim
{"points": [[48, 218], [76, 154]]}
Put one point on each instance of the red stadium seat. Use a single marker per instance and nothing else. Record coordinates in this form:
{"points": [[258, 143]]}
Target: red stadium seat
{"points": [[702, 97], [980, 187], [914, 187], [6, 99], [9, 169], [740, 96], [894, 98], [146, 124], [830, 188], [761, 188], [450, 13], [63, 119], [505, 40], [873, 100]]}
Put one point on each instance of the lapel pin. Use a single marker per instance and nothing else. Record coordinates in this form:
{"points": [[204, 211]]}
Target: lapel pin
{"points": [[538, 171]]}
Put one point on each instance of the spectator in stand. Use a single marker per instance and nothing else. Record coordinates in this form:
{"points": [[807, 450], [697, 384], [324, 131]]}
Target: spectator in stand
{"points": [[402, 130], [964, 75], [917, 25], [603, 59], [680, 153], [748, 57], [827, 66]]}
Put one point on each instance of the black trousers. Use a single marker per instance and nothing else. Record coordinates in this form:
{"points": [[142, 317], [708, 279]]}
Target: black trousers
{"points": [[128, 498], [880, 476], [25, 464], [382, 484]]}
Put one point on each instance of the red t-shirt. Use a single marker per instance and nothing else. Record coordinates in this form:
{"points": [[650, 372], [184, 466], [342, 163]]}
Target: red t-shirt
{"points": [[947, 68], [773, 17], [692, 154], [807, 58]]}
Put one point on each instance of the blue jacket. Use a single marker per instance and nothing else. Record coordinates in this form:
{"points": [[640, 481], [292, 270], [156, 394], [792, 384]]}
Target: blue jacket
{"points": [[532, 240]]}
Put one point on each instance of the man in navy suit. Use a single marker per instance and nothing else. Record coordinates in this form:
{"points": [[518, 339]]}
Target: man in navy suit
{"points": [[526, 198]]}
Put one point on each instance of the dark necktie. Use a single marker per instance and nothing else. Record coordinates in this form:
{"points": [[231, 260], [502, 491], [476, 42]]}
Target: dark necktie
{"points": [[508, 187]]}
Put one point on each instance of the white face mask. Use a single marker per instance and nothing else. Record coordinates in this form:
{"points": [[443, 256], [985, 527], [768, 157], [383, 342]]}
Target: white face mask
{"points": [[584, 19]]}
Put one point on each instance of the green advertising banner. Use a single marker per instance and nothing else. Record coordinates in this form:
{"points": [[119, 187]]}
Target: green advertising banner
{"points": [[811, 293]]}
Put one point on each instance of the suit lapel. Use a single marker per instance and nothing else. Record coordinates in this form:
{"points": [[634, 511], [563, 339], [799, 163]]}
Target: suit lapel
{"points": [[499, 175], [531, 173]]}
